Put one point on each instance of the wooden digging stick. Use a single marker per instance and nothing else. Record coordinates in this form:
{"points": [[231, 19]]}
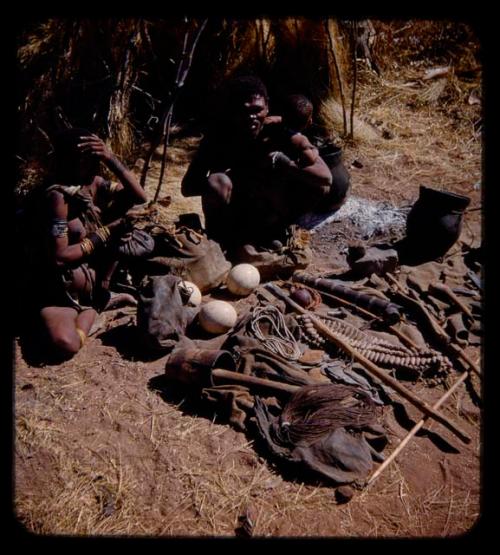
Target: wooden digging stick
{"points": [[445, 290], [371, 367], [413, 431], [438, 331], [413, 300]]}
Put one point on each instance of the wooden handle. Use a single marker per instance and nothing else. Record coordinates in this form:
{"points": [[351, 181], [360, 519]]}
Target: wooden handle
{"points": [[252, 380]]}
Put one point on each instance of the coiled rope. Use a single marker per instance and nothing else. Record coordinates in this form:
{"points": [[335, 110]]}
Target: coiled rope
{"points": [[279, 340]]}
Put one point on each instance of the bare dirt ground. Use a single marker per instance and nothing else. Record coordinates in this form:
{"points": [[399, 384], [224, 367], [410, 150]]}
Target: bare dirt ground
{"points": [[100, 452]]}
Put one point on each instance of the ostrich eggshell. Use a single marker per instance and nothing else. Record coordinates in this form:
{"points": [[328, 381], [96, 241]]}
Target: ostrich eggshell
{"points": [[195, 296], [243, 279], [217, 316]]}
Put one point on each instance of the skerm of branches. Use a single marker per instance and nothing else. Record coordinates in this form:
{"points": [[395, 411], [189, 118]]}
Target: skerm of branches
{"points": [[188, 48]]}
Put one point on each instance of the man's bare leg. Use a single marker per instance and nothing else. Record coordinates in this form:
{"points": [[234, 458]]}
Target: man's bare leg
{"points": [[215, 204]]}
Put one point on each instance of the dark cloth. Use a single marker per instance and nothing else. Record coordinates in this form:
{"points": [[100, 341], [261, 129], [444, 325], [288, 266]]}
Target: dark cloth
{"points": [[188, 254], [136, 244], [340, 448]]}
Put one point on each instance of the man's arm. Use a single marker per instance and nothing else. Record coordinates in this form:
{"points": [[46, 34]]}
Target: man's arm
{"points": [[308, 167], [129, 184], [62, 251]]}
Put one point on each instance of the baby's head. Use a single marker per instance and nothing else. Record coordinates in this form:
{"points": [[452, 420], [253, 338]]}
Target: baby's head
{"points": [[297, 112]]}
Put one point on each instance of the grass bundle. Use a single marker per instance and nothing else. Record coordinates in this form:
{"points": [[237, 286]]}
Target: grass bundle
{"points": [[317, 410]]}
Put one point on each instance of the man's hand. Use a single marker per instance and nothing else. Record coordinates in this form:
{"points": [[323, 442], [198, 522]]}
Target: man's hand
{"points": [[271, 120], [221, 185], [280, 160], [92, 144]]}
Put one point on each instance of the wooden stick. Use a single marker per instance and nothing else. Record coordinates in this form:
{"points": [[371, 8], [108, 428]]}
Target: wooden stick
{"points": [[339, 77], [347, 303], [402, 336], [164, 124], [438, 331], [252, 380], [166, 138], [413, 300], [372, 368], [458, 351], [445, 290], [354, 73], [413, 431]]}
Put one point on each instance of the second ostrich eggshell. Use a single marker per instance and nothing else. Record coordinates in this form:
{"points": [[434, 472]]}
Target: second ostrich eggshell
{"points": [[217, 316], [243, 279]]}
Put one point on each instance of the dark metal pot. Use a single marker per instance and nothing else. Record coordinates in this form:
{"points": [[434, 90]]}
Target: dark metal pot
{"points": [[434, 222], [332, 155]]}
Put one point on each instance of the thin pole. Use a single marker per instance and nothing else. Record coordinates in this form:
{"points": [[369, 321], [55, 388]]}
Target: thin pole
{"points": [[414, 430], [355, 74], [339, 79]]}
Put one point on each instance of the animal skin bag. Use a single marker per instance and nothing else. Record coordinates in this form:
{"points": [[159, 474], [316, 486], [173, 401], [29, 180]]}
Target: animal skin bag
{"points": [[189, 255], [282, 261], [162, 317]]}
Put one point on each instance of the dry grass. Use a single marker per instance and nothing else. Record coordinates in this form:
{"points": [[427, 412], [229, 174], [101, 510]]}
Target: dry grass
{"points": [[410, 513], [170, 474], [99, 454], [179, 154], [432, 135], [331, 116]]}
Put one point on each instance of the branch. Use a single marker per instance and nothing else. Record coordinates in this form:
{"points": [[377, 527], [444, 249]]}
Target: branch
{"points": [[168, 121], [182, 72], [339, 79], [354, 75], [121, 76]]}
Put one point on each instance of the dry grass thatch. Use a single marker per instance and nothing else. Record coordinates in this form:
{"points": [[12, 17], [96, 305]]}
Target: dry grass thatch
{"points": [[331, 117], [440, 40], [115, 75]]}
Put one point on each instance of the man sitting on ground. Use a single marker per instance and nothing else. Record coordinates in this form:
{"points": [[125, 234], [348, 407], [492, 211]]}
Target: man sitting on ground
{"points": [[253, 184]]}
